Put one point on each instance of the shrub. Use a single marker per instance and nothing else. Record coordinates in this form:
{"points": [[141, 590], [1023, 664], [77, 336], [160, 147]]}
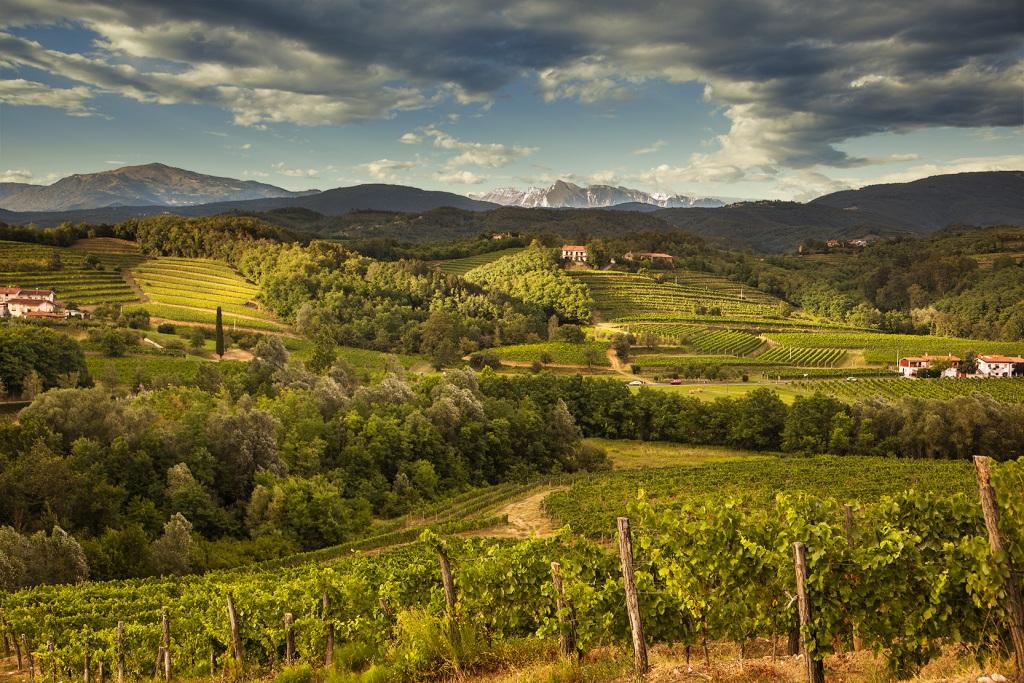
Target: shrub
{"points": [[165, 328], [295, 674]]}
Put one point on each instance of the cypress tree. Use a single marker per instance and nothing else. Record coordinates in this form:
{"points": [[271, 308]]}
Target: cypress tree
{"points": [[220, 333]]}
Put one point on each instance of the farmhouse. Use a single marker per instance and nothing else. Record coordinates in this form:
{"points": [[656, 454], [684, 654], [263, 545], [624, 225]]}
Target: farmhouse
{"points": [[574, 252], [911, 365], [16, 302], [1000, 366], [653, 256]]}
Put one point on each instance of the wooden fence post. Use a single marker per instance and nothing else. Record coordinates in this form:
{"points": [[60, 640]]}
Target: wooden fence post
{"points": [[160, 652], [566, 615], [86, 674], [289, 638], [165, 629], [449, 593], [636, 624], [236, 635], [29, 658], [53, 658], [848, 532], [99, 671], [815, 667], [329, 627], [120, 652], [997, 542], [17, 646]]}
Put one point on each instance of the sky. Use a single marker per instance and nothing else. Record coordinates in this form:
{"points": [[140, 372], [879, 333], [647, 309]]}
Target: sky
{"points": [[779, 99]]}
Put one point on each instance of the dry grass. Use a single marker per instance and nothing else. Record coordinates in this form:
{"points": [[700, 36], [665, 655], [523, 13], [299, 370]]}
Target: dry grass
{"points": [[626, 454]]}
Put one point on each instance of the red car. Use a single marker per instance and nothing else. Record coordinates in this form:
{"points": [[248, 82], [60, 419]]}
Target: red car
{"points": [[676, 382]]}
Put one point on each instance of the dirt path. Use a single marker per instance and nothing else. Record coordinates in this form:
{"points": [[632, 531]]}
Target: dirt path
{"points": [[129, 277], [619, 368], [525, 517]]}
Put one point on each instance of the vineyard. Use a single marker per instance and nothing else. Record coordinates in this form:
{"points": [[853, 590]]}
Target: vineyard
{"points": [[803, 357], [886, 348], [913, 563], [1005, 390], [629, 296], [143, 368], [559, 353], [73, 280], [461, 266], [190, 290]]}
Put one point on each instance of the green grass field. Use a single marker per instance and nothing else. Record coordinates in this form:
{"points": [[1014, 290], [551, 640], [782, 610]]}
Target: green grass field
{"points": [[146, 367], [461, 266]]}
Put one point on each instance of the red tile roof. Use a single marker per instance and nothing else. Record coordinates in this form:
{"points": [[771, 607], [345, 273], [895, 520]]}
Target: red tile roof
{"points": [[35, 291], [1001, 359], [29, 302], [573, 247]]}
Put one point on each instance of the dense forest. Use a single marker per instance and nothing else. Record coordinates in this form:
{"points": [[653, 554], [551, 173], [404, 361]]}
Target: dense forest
{"points": [[262, 459]]}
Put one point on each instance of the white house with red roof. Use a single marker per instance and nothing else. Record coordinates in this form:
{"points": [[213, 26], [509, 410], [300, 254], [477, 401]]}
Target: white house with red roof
{"points": [[911, 365], [993, 365], [16, 302], [574, 252]]}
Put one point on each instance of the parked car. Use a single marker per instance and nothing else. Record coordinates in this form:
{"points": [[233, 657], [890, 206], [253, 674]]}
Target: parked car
{"points": [[636, 383], [676, 382]]}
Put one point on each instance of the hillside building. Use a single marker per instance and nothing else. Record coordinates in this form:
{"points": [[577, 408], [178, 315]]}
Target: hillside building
{"points": [[912, 365], [16, 302], [653, 256], [1000, 366], [574, 252]]}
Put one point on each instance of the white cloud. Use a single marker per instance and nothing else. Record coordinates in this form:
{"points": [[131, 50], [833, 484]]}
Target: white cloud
{"points": [[461, 177], [651, 148], [487, 154], [386, 170], [282, 169], [16, 175], [115, 162], [255, 174], [20, 93], [410, 139]]}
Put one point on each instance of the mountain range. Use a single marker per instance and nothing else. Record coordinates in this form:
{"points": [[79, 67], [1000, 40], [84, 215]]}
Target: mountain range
{"points": [[566, 195], [149, 184], [409, 213]]}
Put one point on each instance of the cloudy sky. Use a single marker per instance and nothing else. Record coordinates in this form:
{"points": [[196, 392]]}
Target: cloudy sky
{"points": [[762, 98]]}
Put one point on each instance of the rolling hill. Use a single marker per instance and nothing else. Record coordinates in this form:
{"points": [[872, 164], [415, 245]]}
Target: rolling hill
{"points": [[929, 204], [150, 184]]}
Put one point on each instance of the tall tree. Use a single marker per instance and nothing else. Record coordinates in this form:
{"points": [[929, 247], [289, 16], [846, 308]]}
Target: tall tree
{"points": [[220, 333]]}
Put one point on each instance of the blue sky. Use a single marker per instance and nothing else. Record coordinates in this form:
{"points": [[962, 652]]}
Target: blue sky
{"points": [[711, 98]]}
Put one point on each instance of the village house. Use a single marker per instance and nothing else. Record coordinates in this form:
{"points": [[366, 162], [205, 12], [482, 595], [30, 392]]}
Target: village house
{"points": [[653, 256], [16, 302], [911, 365], [574, 252], [1000, 366]]}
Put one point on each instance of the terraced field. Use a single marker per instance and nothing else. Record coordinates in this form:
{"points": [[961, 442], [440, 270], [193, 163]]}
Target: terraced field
{"points": [[29, 265], [461, 266], [1006, 390], [190, 290], [806, 357], [725, 342], [887, 348], [632, 297]]}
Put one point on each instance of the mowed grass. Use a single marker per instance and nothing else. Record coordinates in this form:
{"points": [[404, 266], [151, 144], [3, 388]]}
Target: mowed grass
{"points": [[711, 391], [461, 266], [626, 454], [560, 353], [29, 265], [190, 290]]}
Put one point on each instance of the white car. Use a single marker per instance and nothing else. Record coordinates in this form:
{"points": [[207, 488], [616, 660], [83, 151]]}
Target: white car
{"points": [[636, 383]]}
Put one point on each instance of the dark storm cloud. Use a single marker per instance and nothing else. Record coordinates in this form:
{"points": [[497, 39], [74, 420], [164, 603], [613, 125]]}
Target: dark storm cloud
{"points": [[794, 78]]}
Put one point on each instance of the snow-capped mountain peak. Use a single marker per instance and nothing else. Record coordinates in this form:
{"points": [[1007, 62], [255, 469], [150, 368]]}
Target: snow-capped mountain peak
{"points": [[563, 194]]}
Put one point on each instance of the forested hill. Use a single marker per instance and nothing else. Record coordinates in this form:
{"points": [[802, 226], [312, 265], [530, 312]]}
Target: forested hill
{"points": [[990, 198]]}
